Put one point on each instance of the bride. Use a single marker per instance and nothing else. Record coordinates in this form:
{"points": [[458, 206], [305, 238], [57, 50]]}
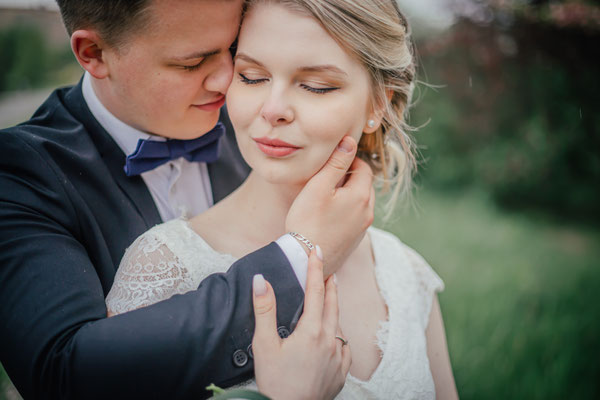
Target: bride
{"points": [[307, 73]]}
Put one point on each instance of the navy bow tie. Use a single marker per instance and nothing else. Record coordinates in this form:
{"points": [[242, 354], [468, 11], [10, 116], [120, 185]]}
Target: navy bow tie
{"points": [[150, 154]]}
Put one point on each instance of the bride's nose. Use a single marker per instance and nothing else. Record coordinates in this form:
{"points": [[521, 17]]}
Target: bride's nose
{"points": [[277, 109]]}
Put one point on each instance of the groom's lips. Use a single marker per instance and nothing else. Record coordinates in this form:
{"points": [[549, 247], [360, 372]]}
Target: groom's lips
{"points": [[212, 106], [275, 147]]}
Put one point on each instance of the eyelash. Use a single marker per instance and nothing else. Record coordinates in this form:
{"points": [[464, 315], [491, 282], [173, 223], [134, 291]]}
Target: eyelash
{"points": [[318, 90], [248, 81], [311, 89], [192, 67]]}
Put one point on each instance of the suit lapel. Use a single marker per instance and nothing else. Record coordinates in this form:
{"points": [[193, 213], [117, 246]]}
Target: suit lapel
{"points": [[112, 155]]}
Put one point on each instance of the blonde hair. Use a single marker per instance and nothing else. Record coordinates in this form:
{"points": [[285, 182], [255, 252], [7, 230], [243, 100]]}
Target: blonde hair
{"points": [[377, 34]]}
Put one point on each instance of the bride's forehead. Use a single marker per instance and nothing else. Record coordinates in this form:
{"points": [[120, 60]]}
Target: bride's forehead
{"points": [[277, 33], [277, 23]]}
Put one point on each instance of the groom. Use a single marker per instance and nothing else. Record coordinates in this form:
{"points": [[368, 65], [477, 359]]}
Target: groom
{"points": [[155, 69]]}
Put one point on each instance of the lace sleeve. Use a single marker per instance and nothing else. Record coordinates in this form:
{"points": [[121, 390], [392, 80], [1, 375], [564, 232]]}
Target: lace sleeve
{"points": [[149, 272]]}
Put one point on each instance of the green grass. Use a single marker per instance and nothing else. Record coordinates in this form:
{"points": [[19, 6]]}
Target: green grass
{"points": [[521, 314], [520, 306], [7, 391]]}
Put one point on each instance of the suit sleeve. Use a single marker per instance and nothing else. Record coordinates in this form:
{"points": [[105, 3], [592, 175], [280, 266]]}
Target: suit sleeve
{"points": [[56, 342]]}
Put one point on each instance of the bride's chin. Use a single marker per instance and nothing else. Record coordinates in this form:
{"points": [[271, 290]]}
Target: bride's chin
{"points": [[277, 176]]}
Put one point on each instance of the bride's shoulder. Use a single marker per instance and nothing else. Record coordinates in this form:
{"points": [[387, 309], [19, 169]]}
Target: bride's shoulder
{"points": [[398, 256], [404, 275], [388, 243]]}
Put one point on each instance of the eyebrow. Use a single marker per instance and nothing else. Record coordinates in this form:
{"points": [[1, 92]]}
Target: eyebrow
{"points": [[197, 55], [312, 68], [323, 68], [247, 58]]}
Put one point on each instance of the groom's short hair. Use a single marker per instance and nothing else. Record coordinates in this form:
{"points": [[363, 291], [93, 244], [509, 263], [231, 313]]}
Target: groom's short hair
{"points": [[113, 19]]}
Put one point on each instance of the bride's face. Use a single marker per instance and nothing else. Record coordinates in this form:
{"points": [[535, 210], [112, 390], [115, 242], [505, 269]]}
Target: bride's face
{"points": [[295, 94]]}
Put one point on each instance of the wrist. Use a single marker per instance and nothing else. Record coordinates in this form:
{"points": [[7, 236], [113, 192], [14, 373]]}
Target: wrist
{"points": [[307, 245]]}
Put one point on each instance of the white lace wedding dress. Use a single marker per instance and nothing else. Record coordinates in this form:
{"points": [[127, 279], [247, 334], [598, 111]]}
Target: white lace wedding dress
{"points": [[172, 259]]}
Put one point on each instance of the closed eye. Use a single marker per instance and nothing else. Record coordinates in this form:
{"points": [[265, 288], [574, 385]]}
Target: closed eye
{"points": [[249, 81], [192, 67], [318, 90]]}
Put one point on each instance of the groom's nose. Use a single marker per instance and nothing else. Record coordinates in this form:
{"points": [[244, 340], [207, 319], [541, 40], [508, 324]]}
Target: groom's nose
{"points": [[221, 74]]}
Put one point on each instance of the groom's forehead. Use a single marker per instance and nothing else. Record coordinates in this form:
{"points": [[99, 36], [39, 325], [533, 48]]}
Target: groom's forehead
{"points": [[122, 21], [185, 8], [166, 16]]}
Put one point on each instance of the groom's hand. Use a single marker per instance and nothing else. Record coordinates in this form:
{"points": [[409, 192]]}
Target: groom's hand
{"points": [[311, 363], [335, 208]]}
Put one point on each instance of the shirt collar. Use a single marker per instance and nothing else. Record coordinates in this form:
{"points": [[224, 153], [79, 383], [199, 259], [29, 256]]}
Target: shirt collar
{"points": [[124, 135]]}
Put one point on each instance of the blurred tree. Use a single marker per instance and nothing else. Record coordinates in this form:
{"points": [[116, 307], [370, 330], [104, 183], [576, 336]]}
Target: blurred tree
{"points": [[28, 61], [518, 113], [23, 58]]}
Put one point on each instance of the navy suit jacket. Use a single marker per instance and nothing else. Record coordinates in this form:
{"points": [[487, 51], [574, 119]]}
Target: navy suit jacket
{"points": [[67, 214]]}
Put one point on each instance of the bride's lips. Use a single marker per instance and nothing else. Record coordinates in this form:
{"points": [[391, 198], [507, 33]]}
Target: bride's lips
{"points": [[275, 147], [213, 105]]}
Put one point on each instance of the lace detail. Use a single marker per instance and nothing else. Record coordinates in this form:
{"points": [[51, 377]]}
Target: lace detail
{"points": [[161, 263], [382, 335], [172, 259]]}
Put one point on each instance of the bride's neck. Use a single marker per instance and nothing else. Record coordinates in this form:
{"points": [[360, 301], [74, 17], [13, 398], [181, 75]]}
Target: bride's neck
{"points": [[263, 206]]}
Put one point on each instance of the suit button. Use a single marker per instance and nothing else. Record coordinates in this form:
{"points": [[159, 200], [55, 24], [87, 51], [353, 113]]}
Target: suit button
{"points": [[250, 352], [283, 332], [240, 358]]}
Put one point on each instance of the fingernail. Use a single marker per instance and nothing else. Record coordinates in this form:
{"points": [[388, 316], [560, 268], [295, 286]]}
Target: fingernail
{"points": [[345, 145], [335, 279], [319, 252], [259, 285]]}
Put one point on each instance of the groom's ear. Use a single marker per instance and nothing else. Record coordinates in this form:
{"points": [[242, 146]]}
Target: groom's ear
{"points": [[89, 49]]}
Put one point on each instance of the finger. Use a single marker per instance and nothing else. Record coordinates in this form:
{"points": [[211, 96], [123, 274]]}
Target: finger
{"points": [[338, 164], [360, 175], [346, 359], [346, 352], [315, 292], [331, 312], [265, 311]]}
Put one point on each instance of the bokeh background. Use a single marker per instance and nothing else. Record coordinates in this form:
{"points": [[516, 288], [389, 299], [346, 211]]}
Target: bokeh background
{"points": [[507, 205]]}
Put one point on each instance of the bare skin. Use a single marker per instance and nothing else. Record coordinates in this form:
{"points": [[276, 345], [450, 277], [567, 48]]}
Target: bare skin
{"points": [[361, 309]]}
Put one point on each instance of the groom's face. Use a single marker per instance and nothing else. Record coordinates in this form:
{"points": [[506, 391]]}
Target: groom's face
{"points": [[171, 77]]}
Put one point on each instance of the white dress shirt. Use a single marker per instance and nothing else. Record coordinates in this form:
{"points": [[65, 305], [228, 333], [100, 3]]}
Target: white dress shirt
{"points": [[179, 188]]}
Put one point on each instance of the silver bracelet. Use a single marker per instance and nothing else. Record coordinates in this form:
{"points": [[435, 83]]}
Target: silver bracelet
{"points": [[304, 240]]}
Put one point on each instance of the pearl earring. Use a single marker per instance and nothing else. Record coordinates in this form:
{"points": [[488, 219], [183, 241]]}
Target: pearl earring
{"points": [[371, 123]]}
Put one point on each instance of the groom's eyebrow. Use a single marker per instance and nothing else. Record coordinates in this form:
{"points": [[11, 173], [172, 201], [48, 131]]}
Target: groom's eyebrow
{"points": [[197, 55]]}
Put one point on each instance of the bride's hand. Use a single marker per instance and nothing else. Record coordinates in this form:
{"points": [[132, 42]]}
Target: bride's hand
{"points": [[333, 215], [311, 363]]}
